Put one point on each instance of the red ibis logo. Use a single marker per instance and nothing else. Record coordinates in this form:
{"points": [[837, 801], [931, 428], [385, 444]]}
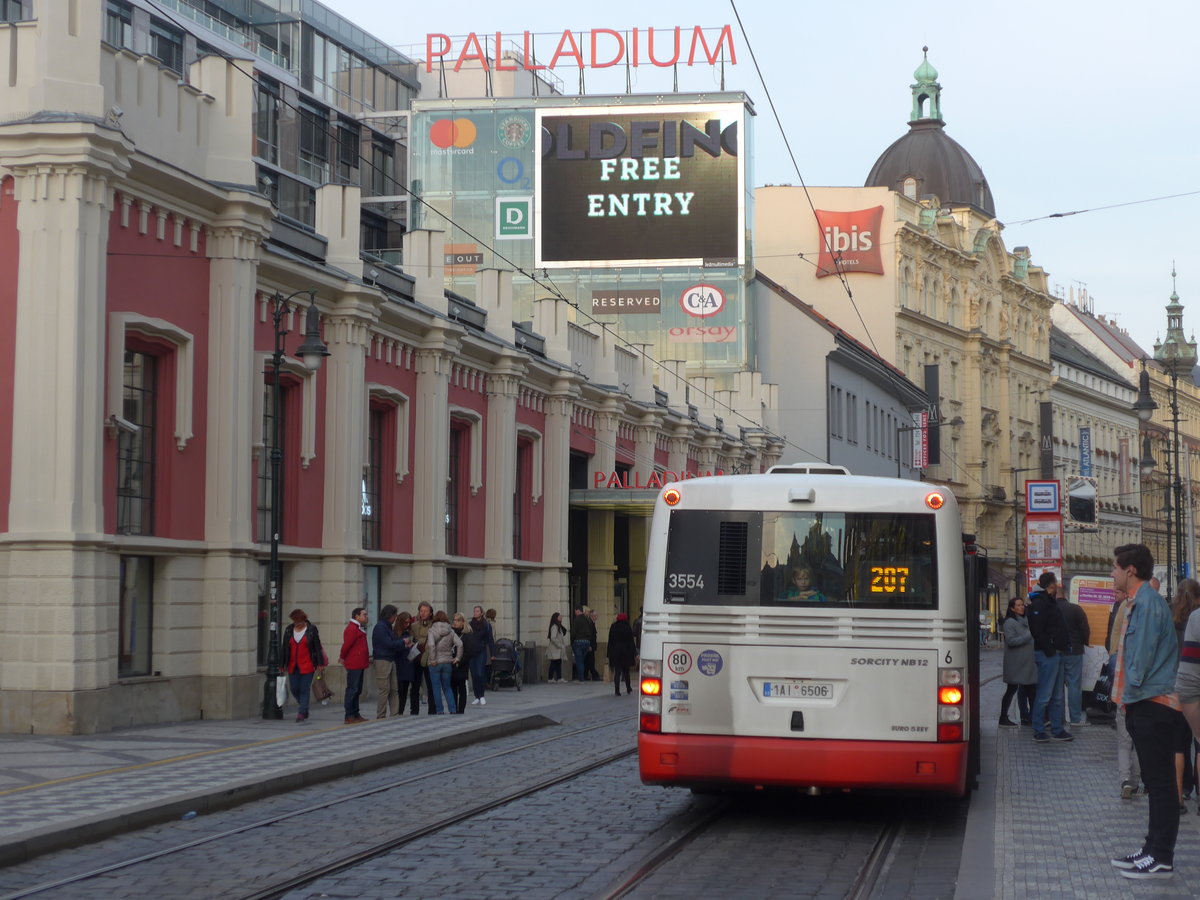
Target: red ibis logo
{"points": [[850, 242]]}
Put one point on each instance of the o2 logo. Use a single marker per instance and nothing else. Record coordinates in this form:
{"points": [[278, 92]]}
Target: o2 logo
{"points": [[702, 300]]}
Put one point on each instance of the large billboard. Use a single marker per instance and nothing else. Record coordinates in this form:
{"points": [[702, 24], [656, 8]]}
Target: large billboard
{"points": [[640, 186]]}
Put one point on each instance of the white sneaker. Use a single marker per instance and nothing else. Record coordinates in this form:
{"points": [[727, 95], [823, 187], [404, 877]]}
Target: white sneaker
{"points": [[483, 701], [475, 702]]}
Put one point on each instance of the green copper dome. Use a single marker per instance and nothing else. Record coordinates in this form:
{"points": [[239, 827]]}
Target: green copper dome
{"points": [[925, 73]]}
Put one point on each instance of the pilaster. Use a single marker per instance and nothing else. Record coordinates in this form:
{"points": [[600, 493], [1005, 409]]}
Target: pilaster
{"points": [[431, 427]]}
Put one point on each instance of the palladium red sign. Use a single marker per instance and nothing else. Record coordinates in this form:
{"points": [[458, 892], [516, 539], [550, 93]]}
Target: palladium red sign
{"points": [[850, 242]]}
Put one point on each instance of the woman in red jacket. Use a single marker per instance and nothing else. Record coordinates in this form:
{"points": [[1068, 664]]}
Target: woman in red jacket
{"points": [[303, 658]]}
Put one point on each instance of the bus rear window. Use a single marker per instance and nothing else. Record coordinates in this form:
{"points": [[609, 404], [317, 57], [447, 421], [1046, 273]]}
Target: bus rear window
{"points": [[801, 559]]}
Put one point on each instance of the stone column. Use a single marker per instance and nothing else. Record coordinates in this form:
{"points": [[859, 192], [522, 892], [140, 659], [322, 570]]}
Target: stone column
{"points": [[431, 426], [59, 573], [601, 563], [499, 481], [556, 459], [347, 333], [230, 686]]}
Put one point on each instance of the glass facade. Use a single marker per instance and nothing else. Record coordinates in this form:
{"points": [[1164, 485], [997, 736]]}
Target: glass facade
{"points": [[476, 167]]}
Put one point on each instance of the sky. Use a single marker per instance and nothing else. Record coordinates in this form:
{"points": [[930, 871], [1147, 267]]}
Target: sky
{"points": [[1066, 106]]}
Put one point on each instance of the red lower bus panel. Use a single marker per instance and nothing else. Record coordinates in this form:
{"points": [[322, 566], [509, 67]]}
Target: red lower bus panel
{"points": [[686, 760]]}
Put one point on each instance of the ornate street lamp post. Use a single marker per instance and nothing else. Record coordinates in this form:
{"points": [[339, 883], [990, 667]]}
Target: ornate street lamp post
{"points": [[1177, 356], [311, 352]]}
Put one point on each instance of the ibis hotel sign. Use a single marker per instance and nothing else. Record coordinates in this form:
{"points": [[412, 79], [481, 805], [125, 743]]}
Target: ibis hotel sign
{"points": [[640, 186], [598, 48]]}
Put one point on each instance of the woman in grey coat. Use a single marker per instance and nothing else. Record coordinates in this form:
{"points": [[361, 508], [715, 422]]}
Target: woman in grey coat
{"points": [[1020, 670]]}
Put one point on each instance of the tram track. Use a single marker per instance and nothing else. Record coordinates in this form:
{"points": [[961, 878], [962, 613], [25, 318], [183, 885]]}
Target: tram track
{"points": [[281, 887], [862, 887]]}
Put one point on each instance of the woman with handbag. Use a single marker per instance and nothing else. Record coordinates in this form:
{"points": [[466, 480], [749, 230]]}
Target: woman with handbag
{"points": [[460, 669], [407, 680], [303, 658], [559, 648], [1020, 667], [442, 647]]}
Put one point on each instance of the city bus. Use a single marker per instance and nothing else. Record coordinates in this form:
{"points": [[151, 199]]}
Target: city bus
{"points": [[811, 629]]}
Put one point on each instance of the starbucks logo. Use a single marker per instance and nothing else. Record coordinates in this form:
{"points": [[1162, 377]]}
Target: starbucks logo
{"points": [[514, 132]]}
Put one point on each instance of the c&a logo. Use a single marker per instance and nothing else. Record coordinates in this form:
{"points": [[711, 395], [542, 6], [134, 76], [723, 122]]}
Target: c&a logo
{"points": [[702, 300], [453, 135], [849, 242]]}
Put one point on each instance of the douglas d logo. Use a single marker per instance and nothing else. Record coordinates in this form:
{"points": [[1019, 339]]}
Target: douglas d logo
{"points": [[849, 240]]}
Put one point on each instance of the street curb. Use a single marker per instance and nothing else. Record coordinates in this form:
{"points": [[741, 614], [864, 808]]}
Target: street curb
{"points": [[87, 830]]}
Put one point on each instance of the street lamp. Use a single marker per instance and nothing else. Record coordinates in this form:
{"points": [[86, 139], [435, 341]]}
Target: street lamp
{"points": [[903, 429], [311, 352], [1177, 356]]}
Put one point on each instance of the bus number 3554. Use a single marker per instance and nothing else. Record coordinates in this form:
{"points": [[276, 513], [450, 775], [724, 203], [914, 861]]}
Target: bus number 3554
{"points": [[686, 581]]}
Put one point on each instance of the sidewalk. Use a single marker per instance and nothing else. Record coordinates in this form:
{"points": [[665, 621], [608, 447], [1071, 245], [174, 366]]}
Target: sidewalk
{"points": [[1048, 817], [57, 792]]}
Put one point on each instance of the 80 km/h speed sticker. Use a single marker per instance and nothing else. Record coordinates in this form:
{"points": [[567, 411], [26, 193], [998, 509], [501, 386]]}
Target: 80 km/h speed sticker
{"points": [[679, 662]]}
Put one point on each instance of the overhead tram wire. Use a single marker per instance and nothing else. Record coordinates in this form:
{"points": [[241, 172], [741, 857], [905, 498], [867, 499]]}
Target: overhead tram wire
{"points": [[1079, 212], [837, 263], [551, 288]]}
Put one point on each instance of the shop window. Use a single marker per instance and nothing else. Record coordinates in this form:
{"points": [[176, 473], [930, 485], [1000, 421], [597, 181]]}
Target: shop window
{"points": [[135, 612]]}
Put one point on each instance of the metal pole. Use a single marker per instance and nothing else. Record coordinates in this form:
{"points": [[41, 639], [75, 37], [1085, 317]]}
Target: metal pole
{"points": [[270, 707]]}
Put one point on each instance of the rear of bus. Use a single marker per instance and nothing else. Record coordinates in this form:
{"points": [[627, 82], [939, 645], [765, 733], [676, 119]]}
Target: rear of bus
{"points": [[807, 631]]}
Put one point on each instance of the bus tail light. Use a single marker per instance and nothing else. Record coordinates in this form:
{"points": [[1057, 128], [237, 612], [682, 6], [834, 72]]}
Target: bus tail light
{"points": [[650, 696], [951, 704], [651, 722]]}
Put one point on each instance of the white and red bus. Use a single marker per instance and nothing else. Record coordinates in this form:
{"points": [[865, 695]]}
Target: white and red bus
{"points": [[811, 629]]}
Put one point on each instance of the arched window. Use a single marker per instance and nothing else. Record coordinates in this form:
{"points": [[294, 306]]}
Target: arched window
{"points": [[910, 188]]}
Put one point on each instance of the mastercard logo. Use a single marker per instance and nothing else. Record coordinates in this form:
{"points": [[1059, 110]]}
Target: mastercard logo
{"points": [[447, 133]]}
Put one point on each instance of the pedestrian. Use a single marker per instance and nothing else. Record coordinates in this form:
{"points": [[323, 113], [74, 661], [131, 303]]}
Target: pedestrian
{"points": [[490, 615], [355, 656], [1129, 773], [1187, 599], [589, 658], [385, 649], [622, 651], [1187, 681], [459, 672], [1049, 642], [1020, 668], [557, 648], [303, 657], [479, 658], [408, 680], [637, 633], [442, 647], [420, 631], [580, 643], [1144, 683], [1078, 635]]}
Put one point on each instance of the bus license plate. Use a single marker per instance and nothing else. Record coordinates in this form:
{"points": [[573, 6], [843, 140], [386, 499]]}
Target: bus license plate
{"points": [[820, 690]]}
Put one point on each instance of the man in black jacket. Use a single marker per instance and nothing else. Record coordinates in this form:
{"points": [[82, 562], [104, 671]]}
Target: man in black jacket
{"points": [[1050, 642]]}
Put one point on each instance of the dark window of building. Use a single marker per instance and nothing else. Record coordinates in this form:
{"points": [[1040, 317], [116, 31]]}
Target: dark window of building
{"points": [[455, 481], [314, 143], [134, 609], [166, 43], [383, 168], [118, 24], [263, 494], [371, 480], [14, 10], [136, 445], [266, 120], [521, 496], [347, 135]]}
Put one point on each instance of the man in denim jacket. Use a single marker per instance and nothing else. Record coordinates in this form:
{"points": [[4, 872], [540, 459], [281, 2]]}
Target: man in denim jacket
{"points": [[1144, 683]]}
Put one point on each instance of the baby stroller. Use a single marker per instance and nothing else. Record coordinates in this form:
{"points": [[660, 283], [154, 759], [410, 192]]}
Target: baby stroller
{"points": [[506, 665]]}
